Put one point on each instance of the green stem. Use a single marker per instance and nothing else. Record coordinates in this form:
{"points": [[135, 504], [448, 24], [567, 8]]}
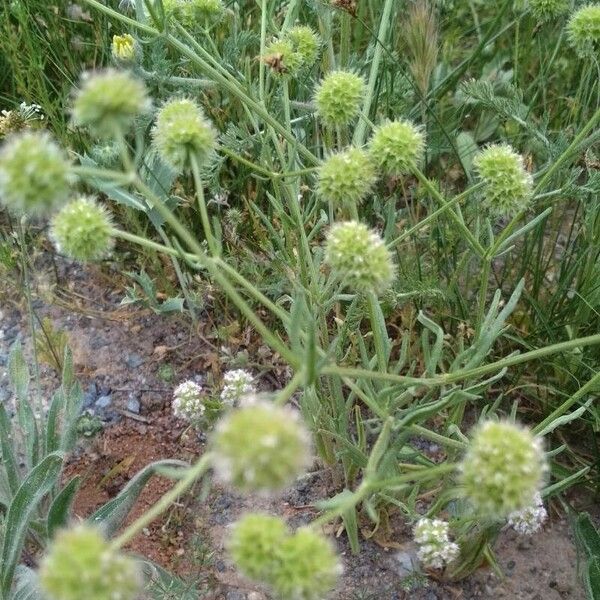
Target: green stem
{"points": [[208, 234], [378, 329], [193, 473], [461, 375], [435, 194]]}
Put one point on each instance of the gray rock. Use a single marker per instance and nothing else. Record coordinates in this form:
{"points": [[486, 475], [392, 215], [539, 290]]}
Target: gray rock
{"points": [[405, 562], [133, 360], [133, 405], [103, 402]]}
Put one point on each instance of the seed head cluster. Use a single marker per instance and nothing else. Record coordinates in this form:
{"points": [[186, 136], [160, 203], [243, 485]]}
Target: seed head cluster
{"points": [[530, 519], [359, 257], [80, 562], [347, 177], [583, 31], [300, 565], [503, 469], [82, 230], [508, 186], [35, 174], [338, 98], [397, 146], [261, 447], [182, 132]]}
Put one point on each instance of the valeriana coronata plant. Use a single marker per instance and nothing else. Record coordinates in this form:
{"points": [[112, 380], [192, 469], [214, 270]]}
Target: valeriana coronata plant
{"points": [[295, 50], [435, 548], [82, 230], [109, 101], [35, 174], [583, 31], [338, 98], [261, 447], [347, 177], [81, 563], [508, 186], [503, 470], [181, 131], [188, 403], [530, 519], [237, 384], [300, 565], [548, 9], [305, 42], [396, 146], [359, 257]]}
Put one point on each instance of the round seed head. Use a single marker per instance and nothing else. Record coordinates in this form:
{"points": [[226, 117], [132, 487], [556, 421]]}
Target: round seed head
{"points": [[508, 186], [307, 568], [80, 562], [338, 98], [254, 544], [109, 101], [544, 10], [282, 58], [583, 31], [188, 403], [530, 519], [35, 175], [305, 42], [347, 176], [503, 468], [181, 131], [261, 447], [359, 257], [82, 230], [396, 146]]}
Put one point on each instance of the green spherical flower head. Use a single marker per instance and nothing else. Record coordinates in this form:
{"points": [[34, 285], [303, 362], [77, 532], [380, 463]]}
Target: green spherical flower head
{"points": [[181, 132], [583, 30], [348, 176], [281, 57], [305, 42], [396, 146], [82, 230], [338, 98], [545, 10], [261, 447], [359, 257], [82, 564], [503, 468], [508, 186], [109, 101], [35, 174], [308, 567], [254, 544]]}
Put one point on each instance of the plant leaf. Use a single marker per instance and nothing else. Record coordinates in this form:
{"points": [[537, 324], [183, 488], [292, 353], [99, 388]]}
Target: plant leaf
{"points": [[58, 515]]}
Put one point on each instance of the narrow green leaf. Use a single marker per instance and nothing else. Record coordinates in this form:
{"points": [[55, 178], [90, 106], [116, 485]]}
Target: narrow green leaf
{"points": [[113, 514], [592, 579], [9, 461], [18, 371], [60, 509], [38, 483]]}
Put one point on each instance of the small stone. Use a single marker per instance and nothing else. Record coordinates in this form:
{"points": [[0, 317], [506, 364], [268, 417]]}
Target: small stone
{"points": [[133, 405], [405, 562], [103, 402], [133, 360]]}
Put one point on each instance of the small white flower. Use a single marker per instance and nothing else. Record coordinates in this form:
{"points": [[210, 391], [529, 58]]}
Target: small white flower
{"points": [[530, 519], [187, 401], [435, 548], [237, 385]]}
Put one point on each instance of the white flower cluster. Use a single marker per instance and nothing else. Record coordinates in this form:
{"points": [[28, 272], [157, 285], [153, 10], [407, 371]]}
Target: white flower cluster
{"points": [[435, 548], [187, 401], [530, 519], [237, 384]]}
